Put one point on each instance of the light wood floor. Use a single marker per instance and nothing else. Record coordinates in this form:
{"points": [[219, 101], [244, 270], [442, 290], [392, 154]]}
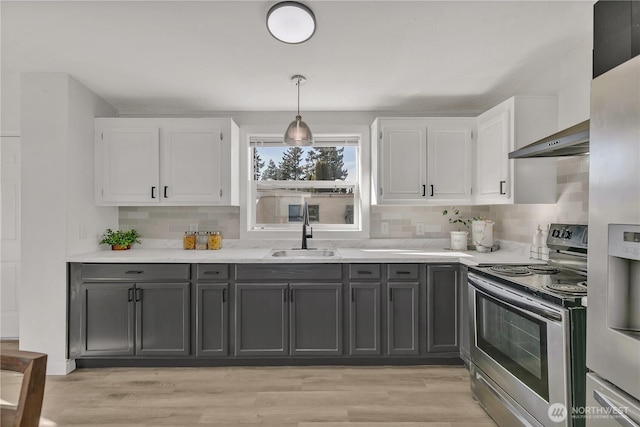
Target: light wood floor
{"points": [[431, 396]]}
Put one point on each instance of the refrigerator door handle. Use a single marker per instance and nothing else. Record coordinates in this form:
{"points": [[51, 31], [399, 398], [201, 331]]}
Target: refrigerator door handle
{"points": [[608, 403]]}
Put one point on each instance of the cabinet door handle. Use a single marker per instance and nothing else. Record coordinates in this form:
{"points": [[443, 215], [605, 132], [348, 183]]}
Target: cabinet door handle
{"points": [[134, 272], [353, 294], [363, 272], [224, 295], [130, 294], [390, 294], [501, 189], [138, 294], [166, 188], [431, 190], [424, 190], [153, 192]]}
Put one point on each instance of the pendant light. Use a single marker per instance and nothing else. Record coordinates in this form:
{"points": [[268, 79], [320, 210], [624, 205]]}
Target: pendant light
{"points": [[291, 22], [298, 133]]}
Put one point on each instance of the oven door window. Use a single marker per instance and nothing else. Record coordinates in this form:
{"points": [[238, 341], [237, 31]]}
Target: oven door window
{"points": [[517, 341]]}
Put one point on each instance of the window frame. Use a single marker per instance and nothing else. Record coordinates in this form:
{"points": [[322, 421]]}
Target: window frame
{"points": [[360, 229]]}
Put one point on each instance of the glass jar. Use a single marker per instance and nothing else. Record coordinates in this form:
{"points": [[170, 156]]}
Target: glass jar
{"points": [[215, 240], [189, 240], [201, 240]]}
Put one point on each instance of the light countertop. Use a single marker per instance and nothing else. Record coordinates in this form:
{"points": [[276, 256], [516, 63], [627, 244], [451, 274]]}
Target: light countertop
{"points": [[366, 251]]}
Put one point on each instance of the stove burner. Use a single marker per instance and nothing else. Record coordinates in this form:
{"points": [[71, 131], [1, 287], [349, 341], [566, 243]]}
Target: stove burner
{"points": [[509, 270], [568, 288], [543, 269]]}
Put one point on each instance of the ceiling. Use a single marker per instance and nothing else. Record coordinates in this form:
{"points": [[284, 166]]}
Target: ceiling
{"points": [[207, 56]]}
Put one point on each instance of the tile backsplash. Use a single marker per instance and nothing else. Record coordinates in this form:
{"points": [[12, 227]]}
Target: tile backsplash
{"points": [[170, 222], [513, 222]]}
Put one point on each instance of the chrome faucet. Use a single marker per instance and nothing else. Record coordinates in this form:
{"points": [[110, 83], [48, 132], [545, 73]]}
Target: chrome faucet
{"points": [[307, 231]]}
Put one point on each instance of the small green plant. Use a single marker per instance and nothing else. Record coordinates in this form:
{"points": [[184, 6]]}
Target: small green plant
{"points": [[456, 218], [120, 237]]}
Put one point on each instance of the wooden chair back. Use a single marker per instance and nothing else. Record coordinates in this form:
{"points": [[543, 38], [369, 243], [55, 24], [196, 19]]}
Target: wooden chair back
{"points": [[33, 366]]}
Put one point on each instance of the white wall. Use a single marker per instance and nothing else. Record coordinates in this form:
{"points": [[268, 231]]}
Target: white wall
{"points": [[57, 198]]}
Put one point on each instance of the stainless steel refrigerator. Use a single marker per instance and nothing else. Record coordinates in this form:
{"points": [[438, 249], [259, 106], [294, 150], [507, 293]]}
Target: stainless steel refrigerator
{"points": [[613, 313]]}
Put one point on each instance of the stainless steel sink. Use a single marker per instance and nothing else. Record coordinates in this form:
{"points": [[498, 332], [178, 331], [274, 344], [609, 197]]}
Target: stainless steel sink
{"points": [[303, 253]]}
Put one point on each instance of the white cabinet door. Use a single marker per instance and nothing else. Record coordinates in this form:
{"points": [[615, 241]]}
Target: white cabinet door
{"points": [[130, 159], [492, 180], [403, 160], [449, 154], [191, 165]]}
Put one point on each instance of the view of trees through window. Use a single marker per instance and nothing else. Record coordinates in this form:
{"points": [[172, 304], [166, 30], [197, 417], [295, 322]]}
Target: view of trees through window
{"points": [[298, 163], [322, 176]]}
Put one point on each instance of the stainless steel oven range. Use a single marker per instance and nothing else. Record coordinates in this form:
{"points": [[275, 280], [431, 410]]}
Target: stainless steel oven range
{"points": [[528, 334]]}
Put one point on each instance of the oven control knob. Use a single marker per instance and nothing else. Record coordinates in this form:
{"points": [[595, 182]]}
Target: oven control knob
{"points": [[555, 233]]}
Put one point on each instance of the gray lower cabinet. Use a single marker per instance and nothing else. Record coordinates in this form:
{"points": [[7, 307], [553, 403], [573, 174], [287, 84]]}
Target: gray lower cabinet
{"points": [[316, 319], [364, 318], [402, 318], [107, 319], [212, 324], [365, 283], [443, 300], [145, 319], [278, 319], [262, 319], [162, 319]]}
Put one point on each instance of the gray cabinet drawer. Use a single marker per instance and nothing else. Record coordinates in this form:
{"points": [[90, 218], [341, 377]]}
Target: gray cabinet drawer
{"points": [[284, 272], [135, 272], [212, 272], [403, 271], [364, 271]]}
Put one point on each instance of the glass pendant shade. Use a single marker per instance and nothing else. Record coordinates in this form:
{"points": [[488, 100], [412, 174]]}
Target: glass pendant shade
{"points": [[298, 133]]}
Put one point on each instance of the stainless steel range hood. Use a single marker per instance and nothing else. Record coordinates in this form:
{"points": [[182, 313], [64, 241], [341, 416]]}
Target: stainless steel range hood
{"points": [[572, 141]]}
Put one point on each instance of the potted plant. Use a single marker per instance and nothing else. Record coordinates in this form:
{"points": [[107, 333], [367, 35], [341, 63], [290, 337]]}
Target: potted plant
{"points": [[120, 239], [459, 237]]}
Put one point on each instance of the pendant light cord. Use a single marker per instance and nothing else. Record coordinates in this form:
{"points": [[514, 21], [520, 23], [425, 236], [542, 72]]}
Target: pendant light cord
{"points": [[298, 84]]}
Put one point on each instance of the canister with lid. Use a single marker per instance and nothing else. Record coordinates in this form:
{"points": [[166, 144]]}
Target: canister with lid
{"points": [[215, 240], [202, 240], [189, 240]]}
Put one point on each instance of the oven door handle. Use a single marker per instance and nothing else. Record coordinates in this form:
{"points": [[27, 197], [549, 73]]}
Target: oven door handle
{"points": [[519, 303], [608, 403]]}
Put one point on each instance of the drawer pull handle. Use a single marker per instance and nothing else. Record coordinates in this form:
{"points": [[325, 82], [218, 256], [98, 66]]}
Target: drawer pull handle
{"points": [[403, 272], [364, 272], [134, 272], [211, 272]]}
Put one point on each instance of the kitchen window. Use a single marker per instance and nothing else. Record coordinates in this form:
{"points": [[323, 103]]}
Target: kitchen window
{"points": [[324, 176]]}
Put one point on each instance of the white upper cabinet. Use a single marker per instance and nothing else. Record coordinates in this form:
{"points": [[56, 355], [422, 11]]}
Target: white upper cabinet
{"points": [[166, 162], [421, 160], [449, 153], [513, 124]]}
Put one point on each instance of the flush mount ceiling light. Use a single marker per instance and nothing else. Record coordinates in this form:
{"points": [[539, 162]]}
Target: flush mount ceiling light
{"points": [[291, 22], [298, 133]]}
